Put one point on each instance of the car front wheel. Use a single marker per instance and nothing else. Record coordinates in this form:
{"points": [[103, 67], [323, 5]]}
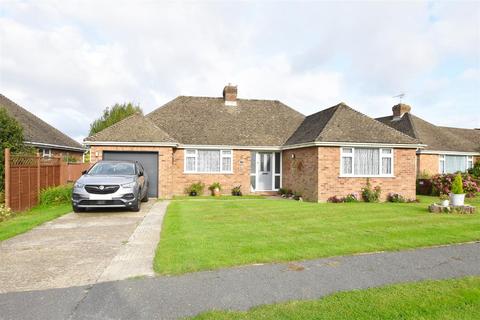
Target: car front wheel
{"points": [[136, 205]]}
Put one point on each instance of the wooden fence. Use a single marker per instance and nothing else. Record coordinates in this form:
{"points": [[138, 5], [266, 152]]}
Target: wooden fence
{"points": [[27, 175]]}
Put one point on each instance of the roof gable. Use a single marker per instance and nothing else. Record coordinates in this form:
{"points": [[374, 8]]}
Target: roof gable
{"points": [[208, 121], [35, 130], [344, 124], [135, 128]]}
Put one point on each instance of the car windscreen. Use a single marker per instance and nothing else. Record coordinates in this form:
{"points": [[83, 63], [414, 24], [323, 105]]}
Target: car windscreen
{"points": [[112, 169]]}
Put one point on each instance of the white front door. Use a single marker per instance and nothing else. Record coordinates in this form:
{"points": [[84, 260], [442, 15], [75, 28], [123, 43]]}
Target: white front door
{"points": [[264, 172]]}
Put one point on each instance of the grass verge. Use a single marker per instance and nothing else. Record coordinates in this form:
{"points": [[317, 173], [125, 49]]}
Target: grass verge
{"points": [[206, 235], [223, 197], [446, 299], [27, 220]]}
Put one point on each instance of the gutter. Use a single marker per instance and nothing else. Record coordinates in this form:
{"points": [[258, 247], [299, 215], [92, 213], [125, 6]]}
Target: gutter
{"points": [[54, 146]]}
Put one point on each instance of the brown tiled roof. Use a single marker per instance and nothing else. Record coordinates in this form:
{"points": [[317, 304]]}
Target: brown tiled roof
{"points": [[135, 128], [341, 123], [35, 129], [207, 121], [435, 137]]}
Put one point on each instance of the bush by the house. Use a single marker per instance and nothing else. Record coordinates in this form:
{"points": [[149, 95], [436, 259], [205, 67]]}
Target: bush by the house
{"points": [[442, 184], [475, 171], [297, 195], [396, 197], [56, 195], [424, 187], [195, 189], [282, 191], [5, 213], [215, 185], [370, 194], [237, 191], [352, 197]]}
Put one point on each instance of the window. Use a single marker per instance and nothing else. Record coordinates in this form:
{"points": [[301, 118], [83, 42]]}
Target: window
{"points": [[208, 161], [454, 163], [365, 162], [46, 153]]}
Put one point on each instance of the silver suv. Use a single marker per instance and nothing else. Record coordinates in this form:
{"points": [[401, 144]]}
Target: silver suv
{"points": [[114, 184]]}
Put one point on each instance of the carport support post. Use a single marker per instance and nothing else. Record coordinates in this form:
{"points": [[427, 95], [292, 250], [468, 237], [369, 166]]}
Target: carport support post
{"points": [[7, 178]]}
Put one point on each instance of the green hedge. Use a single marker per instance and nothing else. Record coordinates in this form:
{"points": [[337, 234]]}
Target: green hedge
{"points": [[56, 195]]}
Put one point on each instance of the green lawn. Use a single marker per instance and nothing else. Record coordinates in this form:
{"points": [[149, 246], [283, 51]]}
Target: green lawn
{"points": [[447, 299], [222, 197], [205, 235], [30, 219]]}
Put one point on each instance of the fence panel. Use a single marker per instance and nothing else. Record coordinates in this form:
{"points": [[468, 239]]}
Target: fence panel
{"points": [[27, 175]]}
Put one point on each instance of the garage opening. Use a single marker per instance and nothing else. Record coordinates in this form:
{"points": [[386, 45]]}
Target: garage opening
{"points": [[149, 161]]}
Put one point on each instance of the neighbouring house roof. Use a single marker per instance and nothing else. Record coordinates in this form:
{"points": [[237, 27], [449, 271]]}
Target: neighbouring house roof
{"points": [[208, 121], [135, 128], [341, 123], [36, 131], [435, 138]]}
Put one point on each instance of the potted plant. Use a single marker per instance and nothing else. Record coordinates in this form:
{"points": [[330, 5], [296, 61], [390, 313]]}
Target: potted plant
{"points": [[237, 191], [444, 198], [215, 189], [457, 197], [195, 189]]}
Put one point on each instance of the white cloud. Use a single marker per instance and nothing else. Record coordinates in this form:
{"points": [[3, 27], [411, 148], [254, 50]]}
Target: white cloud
{"points": [[66, 61]]}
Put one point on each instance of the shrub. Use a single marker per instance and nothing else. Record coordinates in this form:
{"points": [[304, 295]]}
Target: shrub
{"points": [[297, 195], [195, 189], [2, 197], [442, 184], [336, 199], [457, 185], [214, 186], [475, 171], [282, 191], [395, 197], [5, 213], [352, 197], [56, 195], [369, 194], [237, 191]]}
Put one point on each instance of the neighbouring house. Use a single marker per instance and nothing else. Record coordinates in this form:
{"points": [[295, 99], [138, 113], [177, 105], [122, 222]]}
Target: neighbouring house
{"points": [[446, 150], [261, 145], [37, 133]]}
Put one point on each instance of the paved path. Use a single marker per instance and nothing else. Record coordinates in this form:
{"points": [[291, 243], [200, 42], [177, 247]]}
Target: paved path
{"points": [[79, 249], [136, 257], [240, 288]]}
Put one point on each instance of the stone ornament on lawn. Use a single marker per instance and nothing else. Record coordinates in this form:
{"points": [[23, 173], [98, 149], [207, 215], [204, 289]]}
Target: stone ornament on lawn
{"points": [[437, 208]]}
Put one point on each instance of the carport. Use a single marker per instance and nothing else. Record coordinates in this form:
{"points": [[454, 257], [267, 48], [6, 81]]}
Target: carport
{"points": [[149, 161]]}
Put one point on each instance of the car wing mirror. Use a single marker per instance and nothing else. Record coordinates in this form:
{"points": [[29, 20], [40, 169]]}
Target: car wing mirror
{"points": [[84, 172], [140, 174]]}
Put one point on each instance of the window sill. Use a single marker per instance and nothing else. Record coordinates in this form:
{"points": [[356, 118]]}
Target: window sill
{"points": [[211, 173], [366, 176]]}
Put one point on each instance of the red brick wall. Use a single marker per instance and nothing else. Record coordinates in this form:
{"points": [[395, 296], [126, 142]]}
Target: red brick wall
{"points": [[165, 164], [240, 175], [300, 173], [330, 184], [428, 163]]}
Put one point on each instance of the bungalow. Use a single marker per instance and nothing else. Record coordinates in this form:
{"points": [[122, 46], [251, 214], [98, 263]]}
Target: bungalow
{"points": [[261, 145], [446, 150], [37, 133]]}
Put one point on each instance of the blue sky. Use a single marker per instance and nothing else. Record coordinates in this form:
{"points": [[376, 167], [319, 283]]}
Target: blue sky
{"points": [[66, 61]]}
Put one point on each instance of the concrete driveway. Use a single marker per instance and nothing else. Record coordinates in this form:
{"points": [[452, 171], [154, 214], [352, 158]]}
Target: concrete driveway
{"points": [[75, 249]]}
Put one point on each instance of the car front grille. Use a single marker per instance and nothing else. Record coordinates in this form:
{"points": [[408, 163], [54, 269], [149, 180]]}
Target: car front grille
{"points": [[101, 189], [101, 203]]}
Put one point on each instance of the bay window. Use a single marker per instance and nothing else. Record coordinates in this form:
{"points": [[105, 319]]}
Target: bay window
{"points": [[366, 162], [208, 161], [454, 163]]}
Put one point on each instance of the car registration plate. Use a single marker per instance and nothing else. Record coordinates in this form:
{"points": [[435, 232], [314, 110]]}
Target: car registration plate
{"points": [[100, 197]]}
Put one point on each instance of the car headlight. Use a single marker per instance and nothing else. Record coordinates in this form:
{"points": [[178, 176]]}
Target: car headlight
{"points": [[78, 185], [129, 185]]}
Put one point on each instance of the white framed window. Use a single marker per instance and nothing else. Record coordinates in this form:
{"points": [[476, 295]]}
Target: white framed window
{"points": [[366, 162], [208, 161], [451, 163], [46, 153]]}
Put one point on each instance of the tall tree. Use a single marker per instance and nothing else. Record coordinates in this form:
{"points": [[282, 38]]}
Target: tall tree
{"points": [[112, 115], [11, 136]]}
